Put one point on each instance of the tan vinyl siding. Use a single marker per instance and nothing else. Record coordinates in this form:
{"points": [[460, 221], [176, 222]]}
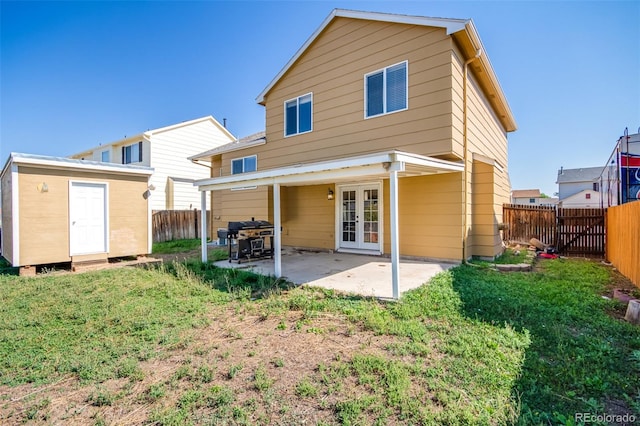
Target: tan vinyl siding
{"points": [[308, 218], [430, 222], [339, 126], [484, 238], [7, 221], [230, 206], [44, 217]]}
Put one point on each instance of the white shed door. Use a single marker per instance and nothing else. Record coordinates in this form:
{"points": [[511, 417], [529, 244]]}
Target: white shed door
{"points": [[87, 218]]}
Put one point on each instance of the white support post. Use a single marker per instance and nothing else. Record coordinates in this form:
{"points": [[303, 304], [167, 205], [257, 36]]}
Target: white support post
{"points": [[277, 243], [203, 225], [395, 246]]}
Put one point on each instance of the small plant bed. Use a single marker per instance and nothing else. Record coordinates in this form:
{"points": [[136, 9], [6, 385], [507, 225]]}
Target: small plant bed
{"points": [[189, 343]]}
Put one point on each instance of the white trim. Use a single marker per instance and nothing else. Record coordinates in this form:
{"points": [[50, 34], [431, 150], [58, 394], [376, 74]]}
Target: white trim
{"points": [[451, 26], [298, 132], [394, 230], [277, 236], [384, 90], [106, 216], [149, 219], [69, 163], [376, 164], [203, 225], [15, 216]]}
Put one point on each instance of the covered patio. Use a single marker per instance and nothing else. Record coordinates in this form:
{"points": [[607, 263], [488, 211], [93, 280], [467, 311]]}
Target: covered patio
{"points": [[363, 275], [391, 165]]}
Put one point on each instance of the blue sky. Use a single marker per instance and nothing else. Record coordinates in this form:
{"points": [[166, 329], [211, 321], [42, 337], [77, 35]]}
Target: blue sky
{"points": [[77, 74]]}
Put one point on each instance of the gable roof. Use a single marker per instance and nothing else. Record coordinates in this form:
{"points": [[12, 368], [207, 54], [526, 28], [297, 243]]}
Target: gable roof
{"points": [[462, 30], [585, 174], [525, 193], [146, 135], [258, 138]]}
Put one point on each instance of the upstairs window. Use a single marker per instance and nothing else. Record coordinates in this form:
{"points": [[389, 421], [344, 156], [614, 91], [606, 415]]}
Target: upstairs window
{"points": [[532, 200], [132, 153], [297, 115], [244, 165], [104, 156], [386, 90]]}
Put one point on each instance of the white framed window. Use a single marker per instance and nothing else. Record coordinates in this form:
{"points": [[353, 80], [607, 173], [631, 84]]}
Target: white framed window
{"points": [[105, 157], [132, 153], [386, 90], [244, 164], [298, 115]]}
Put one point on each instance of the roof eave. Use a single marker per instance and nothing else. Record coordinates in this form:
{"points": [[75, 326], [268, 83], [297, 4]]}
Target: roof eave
{"points": [[488, 76], [206, 156]]}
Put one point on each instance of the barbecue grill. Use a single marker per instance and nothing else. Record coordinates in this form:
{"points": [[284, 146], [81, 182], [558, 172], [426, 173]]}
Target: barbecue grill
{"points": [[254, 240]]}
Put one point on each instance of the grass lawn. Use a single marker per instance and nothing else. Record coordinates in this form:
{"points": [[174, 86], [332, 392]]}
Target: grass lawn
{"points": [[192, 344]]}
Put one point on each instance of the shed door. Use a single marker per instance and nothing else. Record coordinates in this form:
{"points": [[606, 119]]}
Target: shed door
{"points": [[87, 218]]}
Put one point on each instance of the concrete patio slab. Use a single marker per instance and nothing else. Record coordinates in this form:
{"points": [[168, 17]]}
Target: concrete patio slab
{"points": [[352, 273]]}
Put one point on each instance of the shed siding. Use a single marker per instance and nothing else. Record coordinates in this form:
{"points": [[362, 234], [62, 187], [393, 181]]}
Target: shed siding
{"points": [[46, 239]]}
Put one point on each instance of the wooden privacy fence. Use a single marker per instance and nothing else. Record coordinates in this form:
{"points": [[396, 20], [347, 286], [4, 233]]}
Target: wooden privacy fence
{"points": [[169, 225], [623, 241], [572, 231], [526, 222]]}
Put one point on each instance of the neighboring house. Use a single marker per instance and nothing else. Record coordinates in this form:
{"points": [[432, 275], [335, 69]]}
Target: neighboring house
{"points": [[620, 177], [385, 134], [166, 150], [587, 198], [574, 181], [62, 210], [531, 197]]}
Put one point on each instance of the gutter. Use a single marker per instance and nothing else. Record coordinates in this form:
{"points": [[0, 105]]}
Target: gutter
{"points": [[465, 180]]}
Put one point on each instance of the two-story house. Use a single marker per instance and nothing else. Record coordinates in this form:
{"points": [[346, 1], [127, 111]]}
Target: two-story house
{"points": [[166, 150], [531, 197], [385, 134], [579, 188]]}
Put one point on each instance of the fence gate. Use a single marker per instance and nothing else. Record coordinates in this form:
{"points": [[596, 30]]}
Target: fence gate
{"points": [[572, 231], [581, 232]]}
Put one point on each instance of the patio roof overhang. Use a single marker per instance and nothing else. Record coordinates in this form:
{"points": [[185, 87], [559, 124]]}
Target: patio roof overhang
{"points": [[364, 166], [384, 165]]}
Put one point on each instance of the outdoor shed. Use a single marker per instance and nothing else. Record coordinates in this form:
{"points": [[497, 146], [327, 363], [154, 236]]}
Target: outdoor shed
{"points": [[58, 210]]}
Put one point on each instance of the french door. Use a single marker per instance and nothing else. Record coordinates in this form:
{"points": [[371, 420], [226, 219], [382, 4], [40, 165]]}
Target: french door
{"points": [[360, 215]]}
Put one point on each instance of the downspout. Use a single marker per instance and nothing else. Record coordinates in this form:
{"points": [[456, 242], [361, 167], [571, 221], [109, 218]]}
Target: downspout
{"points": [[465, 147]]}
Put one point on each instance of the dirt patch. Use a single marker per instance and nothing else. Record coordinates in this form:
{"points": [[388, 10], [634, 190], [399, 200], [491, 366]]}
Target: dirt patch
{"points": [[229, 353]]}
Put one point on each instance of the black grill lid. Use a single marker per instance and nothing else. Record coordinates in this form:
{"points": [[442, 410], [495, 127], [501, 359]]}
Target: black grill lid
{"points": [[248, 224]]}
